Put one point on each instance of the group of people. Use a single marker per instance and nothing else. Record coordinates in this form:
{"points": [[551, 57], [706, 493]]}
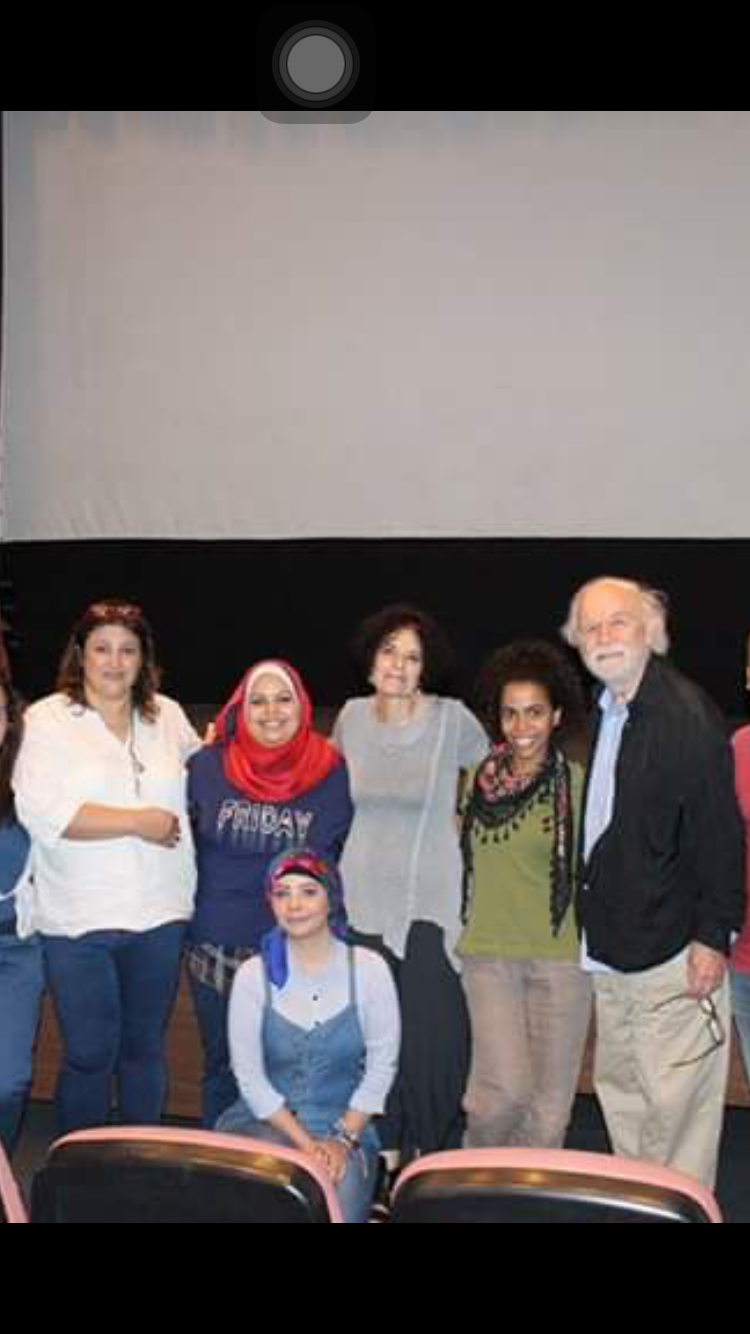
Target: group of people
{"points": [[393, 937]]}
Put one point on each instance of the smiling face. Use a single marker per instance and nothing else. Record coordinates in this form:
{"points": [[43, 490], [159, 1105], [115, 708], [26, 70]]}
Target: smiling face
{"points": [[613, 636], [300, 906], [273, 712], [112, 661], [398, 665], [527, 722]]}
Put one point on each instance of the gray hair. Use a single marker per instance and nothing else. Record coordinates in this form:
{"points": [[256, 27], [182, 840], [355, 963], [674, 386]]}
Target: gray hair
{"points": [[655, 605]]}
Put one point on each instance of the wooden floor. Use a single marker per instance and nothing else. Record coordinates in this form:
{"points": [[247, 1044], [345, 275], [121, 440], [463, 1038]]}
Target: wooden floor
{"points": [[184, 1057]]}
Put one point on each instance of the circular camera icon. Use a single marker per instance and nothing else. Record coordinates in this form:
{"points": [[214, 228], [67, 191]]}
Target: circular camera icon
{"points": [[316, 65]]}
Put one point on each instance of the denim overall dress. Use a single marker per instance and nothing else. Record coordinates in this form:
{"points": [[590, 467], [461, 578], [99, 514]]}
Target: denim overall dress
{"points": [[317, 1072]]}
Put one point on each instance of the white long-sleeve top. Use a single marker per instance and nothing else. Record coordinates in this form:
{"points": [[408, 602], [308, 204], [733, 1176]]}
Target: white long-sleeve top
{"points": [[308, 1000], [69, 759]]}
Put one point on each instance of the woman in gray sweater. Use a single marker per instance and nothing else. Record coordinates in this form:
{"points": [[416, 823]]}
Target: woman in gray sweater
{"points": [[406, 749]]}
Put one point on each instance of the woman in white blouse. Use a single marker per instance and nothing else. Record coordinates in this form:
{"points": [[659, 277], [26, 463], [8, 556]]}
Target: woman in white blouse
{"points": [[100, 785]]}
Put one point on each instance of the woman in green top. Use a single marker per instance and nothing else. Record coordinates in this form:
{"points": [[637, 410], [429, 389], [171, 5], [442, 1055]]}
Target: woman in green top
{"points": [[529, 1000]]}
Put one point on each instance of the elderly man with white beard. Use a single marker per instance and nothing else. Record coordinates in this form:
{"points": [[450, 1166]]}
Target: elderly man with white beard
{"points": [[661, 883]]}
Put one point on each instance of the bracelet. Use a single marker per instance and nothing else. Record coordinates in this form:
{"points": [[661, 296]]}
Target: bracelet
{"points": [[345, 1137]]}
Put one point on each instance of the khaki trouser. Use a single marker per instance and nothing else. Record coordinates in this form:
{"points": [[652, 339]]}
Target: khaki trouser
{"points": [[657, 1108], [529, 1018]]}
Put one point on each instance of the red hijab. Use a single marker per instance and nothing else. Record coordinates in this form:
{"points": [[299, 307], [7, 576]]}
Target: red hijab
{"points": [[273, 774]]}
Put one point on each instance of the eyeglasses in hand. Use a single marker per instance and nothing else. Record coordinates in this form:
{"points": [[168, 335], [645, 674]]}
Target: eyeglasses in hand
{"points": [[714, 1024]]}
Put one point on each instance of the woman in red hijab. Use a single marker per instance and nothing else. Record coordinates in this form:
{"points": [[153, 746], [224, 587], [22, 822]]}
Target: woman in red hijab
{"points": [[268, 783]]}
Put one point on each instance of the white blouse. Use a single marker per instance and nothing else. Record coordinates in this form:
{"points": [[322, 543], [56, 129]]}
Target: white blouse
{"points": [[69, 758]]}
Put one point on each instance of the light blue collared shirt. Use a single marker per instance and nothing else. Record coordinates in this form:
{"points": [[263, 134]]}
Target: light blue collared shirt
{"points": [[600, 801]]}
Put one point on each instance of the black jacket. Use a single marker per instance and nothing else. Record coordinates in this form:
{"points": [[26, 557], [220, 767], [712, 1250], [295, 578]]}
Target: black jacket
{"points": [[669, 870]]}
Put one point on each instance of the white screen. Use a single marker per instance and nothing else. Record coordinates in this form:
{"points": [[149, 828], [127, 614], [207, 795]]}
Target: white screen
{"points": [[435, 323]]}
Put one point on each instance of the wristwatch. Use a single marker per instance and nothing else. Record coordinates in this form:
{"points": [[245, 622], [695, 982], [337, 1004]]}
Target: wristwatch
{"points": [[345, 1137]]}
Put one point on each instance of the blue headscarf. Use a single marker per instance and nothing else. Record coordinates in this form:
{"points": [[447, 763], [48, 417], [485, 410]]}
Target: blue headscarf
{"points": [[302, 861]]}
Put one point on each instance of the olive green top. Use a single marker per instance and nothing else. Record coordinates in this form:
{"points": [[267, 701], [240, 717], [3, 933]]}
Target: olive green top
{"points": [[509, 914]]}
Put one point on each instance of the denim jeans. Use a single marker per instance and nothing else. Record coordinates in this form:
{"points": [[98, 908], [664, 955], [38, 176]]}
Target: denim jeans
{"points": [[21, 988], [354, 1192], [219, 1089], [741, 1007], [114, 992]]}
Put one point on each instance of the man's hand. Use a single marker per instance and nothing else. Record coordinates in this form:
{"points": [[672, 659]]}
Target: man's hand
{"points": [[706, 969]]}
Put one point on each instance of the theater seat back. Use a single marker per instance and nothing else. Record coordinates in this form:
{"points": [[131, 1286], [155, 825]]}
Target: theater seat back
{"points": [[12, 1207], [178, 1176], [531, 1186]]}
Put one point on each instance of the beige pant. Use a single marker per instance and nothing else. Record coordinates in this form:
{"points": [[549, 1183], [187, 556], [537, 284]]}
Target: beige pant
{"points": [[655, 1107], [529, 1019]]}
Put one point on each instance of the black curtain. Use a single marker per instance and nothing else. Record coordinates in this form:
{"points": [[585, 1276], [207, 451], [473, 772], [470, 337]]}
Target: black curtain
{"points": [[218, 606]]}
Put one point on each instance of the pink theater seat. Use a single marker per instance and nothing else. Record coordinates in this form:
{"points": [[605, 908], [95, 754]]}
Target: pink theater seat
{"points": [[12, 1207], [546, 1186], [164, 1175]]}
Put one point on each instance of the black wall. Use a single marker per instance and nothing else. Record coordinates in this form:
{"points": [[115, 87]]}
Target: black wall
{"points": [[216, 607]]}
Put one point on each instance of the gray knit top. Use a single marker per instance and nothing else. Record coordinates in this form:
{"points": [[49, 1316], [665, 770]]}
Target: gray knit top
{"points": [[402, 861]]}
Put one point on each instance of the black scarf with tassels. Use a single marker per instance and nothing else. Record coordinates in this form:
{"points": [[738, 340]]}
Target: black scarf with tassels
{"points": [[499, 803]]}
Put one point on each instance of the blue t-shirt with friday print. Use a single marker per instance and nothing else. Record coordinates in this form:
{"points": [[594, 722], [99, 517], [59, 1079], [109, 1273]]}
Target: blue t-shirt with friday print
{"points": [[236, 839]]}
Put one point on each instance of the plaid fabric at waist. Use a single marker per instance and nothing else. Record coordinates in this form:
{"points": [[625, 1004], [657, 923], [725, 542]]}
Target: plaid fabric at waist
{"points": [[216, 966]]}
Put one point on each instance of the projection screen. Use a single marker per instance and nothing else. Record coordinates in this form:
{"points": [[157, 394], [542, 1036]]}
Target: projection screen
{"points": [[432, 323]]}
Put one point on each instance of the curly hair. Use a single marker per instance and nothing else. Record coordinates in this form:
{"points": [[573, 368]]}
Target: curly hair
{"points": [[70, 677], [10, 747], [437, 652], [544, 664]]}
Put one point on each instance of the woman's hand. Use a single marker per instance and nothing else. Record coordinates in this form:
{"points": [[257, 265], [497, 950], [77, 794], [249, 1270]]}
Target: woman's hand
{"points": [[157, 826], [333, 1157]]}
